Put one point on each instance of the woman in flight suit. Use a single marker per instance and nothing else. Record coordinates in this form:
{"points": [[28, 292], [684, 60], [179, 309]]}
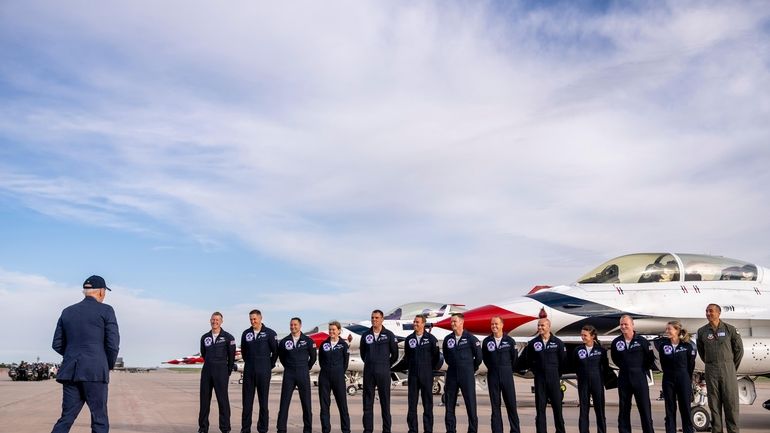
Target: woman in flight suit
{"points": [[677, 360], [333, 356], [591, 365]]}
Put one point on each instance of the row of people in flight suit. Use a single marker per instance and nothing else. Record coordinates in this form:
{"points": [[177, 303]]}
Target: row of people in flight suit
{"points": [[546, 357]]}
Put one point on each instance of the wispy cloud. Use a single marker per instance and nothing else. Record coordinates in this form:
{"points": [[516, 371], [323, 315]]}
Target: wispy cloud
{"points": [[399, 148]]}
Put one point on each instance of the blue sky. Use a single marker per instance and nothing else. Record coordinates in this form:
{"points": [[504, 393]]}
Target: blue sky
{"points": [[323, 160]]}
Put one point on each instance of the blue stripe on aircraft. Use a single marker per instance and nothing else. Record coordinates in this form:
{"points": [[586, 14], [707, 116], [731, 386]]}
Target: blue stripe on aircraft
{"points": [[603, 317]]}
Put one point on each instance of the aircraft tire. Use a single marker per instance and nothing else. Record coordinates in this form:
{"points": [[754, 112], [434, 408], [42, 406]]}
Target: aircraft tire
{"points": [[701, 420], [436, 389], [351, 390]]}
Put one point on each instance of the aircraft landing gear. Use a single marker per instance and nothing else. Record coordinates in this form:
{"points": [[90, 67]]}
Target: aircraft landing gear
{"points": [[701, 420], [437, 387]]}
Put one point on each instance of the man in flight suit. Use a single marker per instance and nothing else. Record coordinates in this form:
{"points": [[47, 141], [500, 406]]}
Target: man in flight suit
{"points": [[218, 353], [379, 350], [500, 354], [259, 350], [633, 356], [87, 337], [422, 357], [298, 354], [462, 353], [546, 357], [721, 348]]}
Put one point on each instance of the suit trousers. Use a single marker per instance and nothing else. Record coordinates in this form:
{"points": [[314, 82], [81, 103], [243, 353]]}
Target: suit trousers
{"points": [[94, 394]]}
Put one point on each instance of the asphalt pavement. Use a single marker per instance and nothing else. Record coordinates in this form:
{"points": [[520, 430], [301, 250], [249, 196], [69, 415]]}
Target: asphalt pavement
{"points": [[165, 401]]}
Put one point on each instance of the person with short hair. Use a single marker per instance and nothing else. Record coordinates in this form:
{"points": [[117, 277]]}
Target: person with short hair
{"points": [[422, 357], [297, 352], [632, 354], [677, 361], [259, 351], [721, 348], [88, 338], [592, 366], [462, 354], [333, 357], [379, 351], [546, 358], [218, 353], [500, 354]]}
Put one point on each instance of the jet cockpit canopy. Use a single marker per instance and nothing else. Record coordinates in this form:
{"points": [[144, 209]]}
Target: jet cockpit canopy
{"points": [[665, 267], [429, 309]]}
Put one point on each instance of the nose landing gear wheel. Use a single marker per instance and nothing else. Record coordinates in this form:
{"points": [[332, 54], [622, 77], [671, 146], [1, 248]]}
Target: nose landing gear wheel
{"points": [[701, 420]]}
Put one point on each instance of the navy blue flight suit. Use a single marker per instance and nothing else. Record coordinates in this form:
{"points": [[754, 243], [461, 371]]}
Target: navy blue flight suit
{"points": [[634, 360], [591, 367], [678, 364], [297, 360], [333, 359], [463, 358], [218, 362], [259, 350], [378, 355], [547, 360], [87, 337], [422, 357], [500, 360]]}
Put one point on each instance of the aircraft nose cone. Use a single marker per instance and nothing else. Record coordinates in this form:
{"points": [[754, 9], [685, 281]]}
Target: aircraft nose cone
{"points": [[444, 324], [319, 338], [477, 320]]}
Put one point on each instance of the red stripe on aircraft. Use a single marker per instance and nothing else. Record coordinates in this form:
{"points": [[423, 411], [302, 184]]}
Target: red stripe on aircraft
{"points": [[477, 320]]}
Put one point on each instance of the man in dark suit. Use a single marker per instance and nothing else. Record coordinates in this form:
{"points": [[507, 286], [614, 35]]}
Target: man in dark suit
{"points": [[87, 337]]}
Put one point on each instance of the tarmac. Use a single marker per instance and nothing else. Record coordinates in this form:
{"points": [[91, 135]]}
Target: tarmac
{"points": [[166, 401]]}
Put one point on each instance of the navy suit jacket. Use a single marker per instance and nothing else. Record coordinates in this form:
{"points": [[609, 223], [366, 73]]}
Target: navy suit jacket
{"points": [[87, 337]]}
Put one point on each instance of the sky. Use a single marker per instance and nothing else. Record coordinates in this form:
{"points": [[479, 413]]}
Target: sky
{"points": [[322, 159]]}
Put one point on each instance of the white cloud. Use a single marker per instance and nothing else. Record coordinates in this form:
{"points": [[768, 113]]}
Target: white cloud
{"points": [[400, 148], [152, 331]]}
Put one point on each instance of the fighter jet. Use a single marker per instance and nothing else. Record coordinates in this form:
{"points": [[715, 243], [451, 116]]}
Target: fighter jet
{"points": [[398, 320], [197, 359], [186, 360], [653, 288]]}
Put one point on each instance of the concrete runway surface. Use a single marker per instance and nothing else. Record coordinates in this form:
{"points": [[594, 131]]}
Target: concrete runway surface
{"points": [[165, 401]]}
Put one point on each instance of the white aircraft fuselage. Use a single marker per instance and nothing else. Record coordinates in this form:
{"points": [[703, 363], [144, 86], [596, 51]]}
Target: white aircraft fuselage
{"points": [[653, 289]]}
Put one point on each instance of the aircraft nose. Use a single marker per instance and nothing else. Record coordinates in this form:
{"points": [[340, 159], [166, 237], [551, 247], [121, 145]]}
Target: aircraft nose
{"points": [[319, 338], [477, 319]]}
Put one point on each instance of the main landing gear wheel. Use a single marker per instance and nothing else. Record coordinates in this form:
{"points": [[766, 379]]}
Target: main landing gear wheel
{"points": [[701, 420], [351, 390], [436, 388]]}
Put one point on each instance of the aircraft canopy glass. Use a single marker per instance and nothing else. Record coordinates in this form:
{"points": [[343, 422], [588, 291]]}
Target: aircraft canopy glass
{"points": [[708, 268], [408, 311], [663, 267]]}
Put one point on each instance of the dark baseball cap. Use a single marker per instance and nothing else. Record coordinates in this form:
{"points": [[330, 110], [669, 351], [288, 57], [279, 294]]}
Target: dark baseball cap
{"points": [[95, 282]]}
